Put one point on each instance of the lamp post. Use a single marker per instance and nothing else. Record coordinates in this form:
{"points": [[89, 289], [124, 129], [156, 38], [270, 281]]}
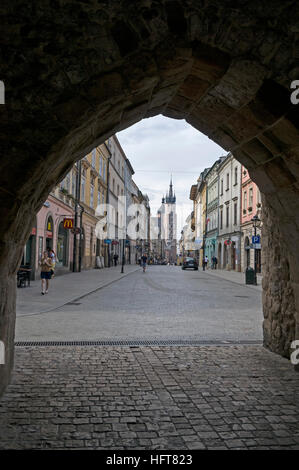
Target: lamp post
{"points": [[254, 221]]}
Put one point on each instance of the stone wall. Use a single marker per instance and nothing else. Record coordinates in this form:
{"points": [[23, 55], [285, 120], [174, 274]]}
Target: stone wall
{"points": [[75, 73], [279, 325]]}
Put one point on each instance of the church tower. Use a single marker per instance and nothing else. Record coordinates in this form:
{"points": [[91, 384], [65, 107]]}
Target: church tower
{"points": [[168, 225]]}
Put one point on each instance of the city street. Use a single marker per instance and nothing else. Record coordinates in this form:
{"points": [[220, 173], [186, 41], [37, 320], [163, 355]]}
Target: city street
{"points": [[163, 303], [216, 395]]}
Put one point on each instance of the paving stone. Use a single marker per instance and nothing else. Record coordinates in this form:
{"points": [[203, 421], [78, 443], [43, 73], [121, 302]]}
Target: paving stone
{"points": [[126, 414]]}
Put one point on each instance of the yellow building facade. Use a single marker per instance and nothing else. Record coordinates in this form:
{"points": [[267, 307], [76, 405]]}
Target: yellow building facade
{"points": [[93, 192]]}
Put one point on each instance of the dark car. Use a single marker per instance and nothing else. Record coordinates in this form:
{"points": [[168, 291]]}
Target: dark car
{"points": [[190, 263]]}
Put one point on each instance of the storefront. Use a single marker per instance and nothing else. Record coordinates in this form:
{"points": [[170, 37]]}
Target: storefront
{"points": [[29, 253]]}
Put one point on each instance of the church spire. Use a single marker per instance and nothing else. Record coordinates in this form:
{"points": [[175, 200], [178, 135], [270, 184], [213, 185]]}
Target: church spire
{"points": [[170, 197], [170, 188]]}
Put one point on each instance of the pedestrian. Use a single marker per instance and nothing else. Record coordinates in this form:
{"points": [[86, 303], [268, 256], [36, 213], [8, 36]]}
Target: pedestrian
{"points": [[115, 257], [216, 262], [46, 267], [213, 262], [206, 262], [143, 262], [52, 255]]}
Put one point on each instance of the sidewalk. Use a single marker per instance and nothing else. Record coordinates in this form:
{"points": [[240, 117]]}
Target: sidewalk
{"points": [[236, 277], [67, 288]]}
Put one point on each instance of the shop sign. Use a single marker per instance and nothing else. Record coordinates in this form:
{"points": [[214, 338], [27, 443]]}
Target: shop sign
{"points": [[68, 223]]}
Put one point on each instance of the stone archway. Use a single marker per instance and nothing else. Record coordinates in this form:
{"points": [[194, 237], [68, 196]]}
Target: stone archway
{"points": [[77, 72]]}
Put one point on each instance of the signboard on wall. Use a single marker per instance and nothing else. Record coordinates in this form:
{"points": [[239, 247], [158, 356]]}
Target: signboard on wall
{"points": [[68, 223]]}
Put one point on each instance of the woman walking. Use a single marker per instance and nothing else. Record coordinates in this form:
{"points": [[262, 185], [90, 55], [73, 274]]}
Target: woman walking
{"points": [[46, 267]]}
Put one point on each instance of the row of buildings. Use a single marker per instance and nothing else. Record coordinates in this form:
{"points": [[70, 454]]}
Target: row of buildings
{"points": [[86, 217], [226, 219]]}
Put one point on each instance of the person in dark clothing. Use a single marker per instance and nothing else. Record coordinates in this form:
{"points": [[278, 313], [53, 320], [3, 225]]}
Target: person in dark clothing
{"points": [[115, 257], [143, 262]]}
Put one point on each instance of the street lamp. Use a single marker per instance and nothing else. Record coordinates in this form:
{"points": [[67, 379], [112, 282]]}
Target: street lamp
{"points": [[255, 221]]}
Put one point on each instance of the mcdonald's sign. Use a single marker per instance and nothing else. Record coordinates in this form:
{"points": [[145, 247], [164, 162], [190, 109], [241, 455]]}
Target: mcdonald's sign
{"points": [[68, 223]]}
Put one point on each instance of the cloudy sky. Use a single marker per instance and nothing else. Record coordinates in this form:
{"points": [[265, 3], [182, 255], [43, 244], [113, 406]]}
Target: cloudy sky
{"points": [[158, 147]]}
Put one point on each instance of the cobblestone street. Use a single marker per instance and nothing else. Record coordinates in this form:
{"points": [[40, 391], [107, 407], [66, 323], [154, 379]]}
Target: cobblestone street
{"points": [[207, 397], [217, 393]]}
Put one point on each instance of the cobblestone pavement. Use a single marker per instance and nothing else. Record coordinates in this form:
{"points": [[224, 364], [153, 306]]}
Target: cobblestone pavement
{"points": [[206, 397]]}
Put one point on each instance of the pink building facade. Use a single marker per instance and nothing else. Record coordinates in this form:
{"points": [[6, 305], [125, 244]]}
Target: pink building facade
{"points": [[250, 207], [48, 232]]}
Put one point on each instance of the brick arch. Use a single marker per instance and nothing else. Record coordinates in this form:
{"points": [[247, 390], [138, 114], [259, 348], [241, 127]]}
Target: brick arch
{"points": [[77, 72]]}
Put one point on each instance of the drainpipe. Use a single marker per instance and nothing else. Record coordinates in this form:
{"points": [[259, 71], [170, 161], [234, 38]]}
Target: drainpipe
{"points": [[107, 202], [80, 244], [77, 200]]}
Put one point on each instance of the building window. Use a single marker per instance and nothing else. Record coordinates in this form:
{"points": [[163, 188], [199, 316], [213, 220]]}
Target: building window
{"points": [[91, 194], [113, 186], [104, 172], [227, 216], [221, 188], [83, 188], [67, 181], [74, 176], [250, 198], [227, 181], [236, 175], [101, 166], [93, 158], [221, 218], [62, 246], [118, 189], [235, 213], [245, 201], [99, 196]]}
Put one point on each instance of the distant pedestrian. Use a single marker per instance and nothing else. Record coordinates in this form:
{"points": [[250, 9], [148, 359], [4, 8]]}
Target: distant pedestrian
{"points": [[213, 266], [215, 262], [143, 262], [46, 267], [206, 260], [115, 257]]}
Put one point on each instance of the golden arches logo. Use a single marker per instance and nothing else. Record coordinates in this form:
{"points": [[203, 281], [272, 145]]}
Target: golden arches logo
{"points": [[68, 223]]}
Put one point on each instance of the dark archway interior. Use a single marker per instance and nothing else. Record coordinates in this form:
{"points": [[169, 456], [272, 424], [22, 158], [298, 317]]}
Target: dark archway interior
{"points": [[77, 72]]}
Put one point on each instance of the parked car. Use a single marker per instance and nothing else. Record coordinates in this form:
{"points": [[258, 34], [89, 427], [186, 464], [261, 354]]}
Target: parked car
{"points": [[190, 263]]}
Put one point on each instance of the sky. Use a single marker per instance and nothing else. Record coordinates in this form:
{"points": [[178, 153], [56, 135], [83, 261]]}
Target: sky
{"points": [[159, 147]]}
